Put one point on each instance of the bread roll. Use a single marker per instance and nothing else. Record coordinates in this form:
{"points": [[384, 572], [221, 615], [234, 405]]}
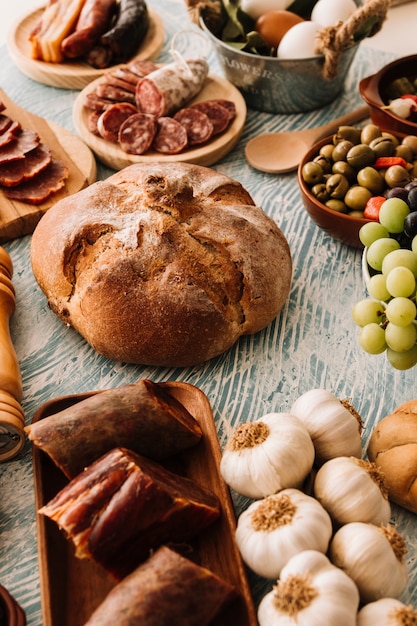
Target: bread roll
{"points": [[162, 264], [393, 447]]}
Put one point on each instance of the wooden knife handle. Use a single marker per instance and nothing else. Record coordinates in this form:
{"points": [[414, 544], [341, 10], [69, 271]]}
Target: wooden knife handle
{"points": [[12, 419]]}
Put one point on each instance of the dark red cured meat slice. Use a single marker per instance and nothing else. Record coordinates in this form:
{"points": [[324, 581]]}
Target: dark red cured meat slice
{"points": [[196, 123], [5, 122], [40, 187], [167, 589], [112, 92], [23, 143], [142, 67], [95, 103], [124, 73], [110, 121], [10, 133], [137, 133], [171, 136], [35, 161], [120, 83], [227, 104], [218, 115], [92, 120]]}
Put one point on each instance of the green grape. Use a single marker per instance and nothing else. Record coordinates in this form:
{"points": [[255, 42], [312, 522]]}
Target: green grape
{"points": [[403, 360], [367, 312], [414, 244], [372, 339], [401, 311], [377, 287], [400, 338], [399, 258], [392, 214], [400, 281], [378, 250], [371, 231]]}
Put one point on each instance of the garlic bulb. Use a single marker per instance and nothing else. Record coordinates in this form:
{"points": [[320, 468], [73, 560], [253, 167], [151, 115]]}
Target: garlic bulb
{"points": [[387, 612], [334, 426], [281, 525], [310, 592], [265, 456], [352, 490], [373, 556]]}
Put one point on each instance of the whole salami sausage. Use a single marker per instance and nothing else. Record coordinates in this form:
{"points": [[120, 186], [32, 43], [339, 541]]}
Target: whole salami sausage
{"points": [[171, 136], [119, 44], [170, 87], [167, 589], [94, 20], [137, 133], [142, 416]]}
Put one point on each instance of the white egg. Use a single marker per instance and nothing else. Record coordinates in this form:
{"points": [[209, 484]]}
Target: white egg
{"points": [[330, 12], [299, 42], [256, 8]]}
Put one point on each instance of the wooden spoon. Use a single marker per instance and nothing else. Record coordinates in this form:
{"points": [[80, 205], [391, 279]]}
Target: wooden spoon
{"points": [[278, 153]]}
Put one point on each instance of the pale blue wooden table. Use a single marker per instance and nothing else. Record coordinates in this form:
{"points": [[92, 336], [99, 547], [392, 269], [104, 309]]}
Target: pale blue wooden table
{"points": [[311, 344]]}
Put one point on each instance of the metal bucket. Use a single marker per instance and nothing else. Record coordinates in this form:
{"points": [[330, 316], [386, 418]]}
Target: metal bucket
{"points": [[279, 85]]}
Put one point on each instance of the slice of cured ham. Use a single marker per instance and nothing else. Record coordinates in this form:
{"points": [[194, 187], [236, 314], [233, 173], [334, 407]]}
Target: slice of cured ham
{"points": [[38, 189], [15, 172], [167, 589], [123, 506], [22, 143]]}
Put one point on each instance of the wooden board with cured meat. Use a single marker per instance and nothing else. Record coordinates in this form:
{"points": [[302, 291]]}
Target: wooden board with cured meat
{"points": [[71, 74], [72, 588], [20, 218], [206, 154]]}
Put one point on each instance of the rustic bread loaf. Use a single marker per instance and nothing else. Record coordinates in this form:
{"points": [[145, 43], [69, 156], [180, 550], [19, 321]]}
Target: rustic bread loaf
{"points": [[162, 264], [393, 447]]}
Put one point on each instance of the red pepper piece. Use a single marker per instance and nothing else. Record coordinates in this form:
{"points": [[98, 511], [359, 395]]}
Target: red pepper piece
{"points": [[383, 162], [411, 96], [372, 207]]}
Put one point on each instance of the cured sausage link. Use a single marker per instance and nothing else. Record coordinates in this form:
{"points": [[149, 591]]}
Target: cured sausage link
{"points": [[167, 589], [94, 20], [124, 505], [141, 416], [119, 44]]}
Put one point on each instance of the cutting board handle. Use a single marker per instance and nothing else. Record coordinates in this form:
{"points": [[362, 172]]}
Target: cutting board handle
{"points": [[12, 419]]}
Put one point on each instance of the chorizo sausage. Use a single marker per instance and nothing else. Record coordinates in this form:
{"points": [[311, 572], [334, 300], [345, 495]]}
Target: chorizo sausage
{"points": [[94, 20]]}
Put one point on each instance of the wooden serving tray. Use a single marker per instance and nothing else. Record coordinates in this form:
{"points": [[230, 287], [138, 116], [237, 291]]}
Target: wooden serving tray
{"points": [[18, 218], [71, 74], [72, 588], [113, 156]]}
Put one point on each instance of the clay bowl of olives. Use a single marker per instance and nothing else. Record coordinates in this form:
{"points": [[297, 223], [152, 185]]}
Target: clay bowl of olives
{"points": [[342, 175], [394, 80]]}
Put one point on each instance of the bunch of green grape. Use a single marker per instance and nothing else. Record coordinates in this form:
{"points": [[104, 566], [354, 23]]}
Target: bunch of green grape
{"points": [[387, 319]]}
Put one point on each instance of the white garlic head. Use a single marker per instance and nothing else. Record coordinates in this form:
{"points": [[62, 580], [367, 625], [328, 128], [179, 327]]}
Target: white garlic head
{"points": [[387, 612]]}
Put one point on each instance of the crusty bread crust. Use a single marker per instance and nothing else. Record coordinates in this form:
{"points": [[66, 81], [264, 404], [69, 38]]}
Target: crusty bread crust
{"points": [[162, 264]]}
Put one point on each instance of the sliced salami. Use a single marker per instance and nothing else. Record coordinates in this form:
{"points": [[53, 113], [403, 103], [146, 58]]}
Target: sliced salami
{"points": [[171, 87], [142, 67], [20, 145], [171, 136], [137, 133], [95, 103], [40, 187], [218, 114], [10, 133], [197, 124], [16, 172], [115, 93], [92, 121], [120, 83], [227, 104], [110, 121], [125, 74]]}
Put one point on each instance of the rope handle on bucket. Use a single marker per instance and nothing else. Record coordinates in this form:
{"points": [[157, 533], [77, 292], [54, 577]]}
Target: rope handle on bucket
{"points": [[333, 40]]}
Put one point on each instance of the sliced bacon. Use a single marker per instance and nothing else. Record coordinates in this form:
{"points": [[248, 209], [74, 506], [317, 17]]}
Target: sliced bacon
{"points": [[15, 172], [40, 187]]}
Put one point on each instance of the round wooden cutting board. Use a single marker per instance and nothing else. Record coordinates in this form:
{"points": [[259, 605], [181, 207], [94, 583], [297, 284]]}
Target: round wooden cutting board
{"points": [[71, 74], [113, 156], [19, 218]]}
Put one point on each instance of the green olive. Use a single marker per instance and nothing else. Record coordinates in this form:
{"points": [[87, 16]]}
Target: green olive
{"points": [[343, 167], [358, 214], [356, 197], [337, 185], [351, 133], [397, 176], [360, 156], [336, 205], [320, 192], [326, 164], [312, 173], [393, 138], [382, 146], [341, 149], [370, 132], [370, 178], [411, 141], [327, 150], [405, 152]]}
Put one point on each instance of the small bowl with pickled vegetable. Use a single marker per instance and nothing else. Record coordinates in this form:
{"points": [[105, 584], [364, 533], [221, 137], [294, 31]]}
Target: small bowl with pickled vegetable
{"points": [[395, 80]]}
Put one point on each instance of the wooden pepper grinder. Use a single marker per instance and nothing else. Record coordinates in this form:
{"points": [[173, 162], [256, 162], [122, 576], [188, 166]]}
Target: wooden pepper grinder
{"points": [[12, 419]]}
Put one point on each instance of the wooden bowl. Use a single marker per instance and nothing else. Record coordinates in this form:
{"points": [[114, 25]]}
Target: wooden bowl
{"points": [[373, 90], [11, 614], [340, 226]]}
